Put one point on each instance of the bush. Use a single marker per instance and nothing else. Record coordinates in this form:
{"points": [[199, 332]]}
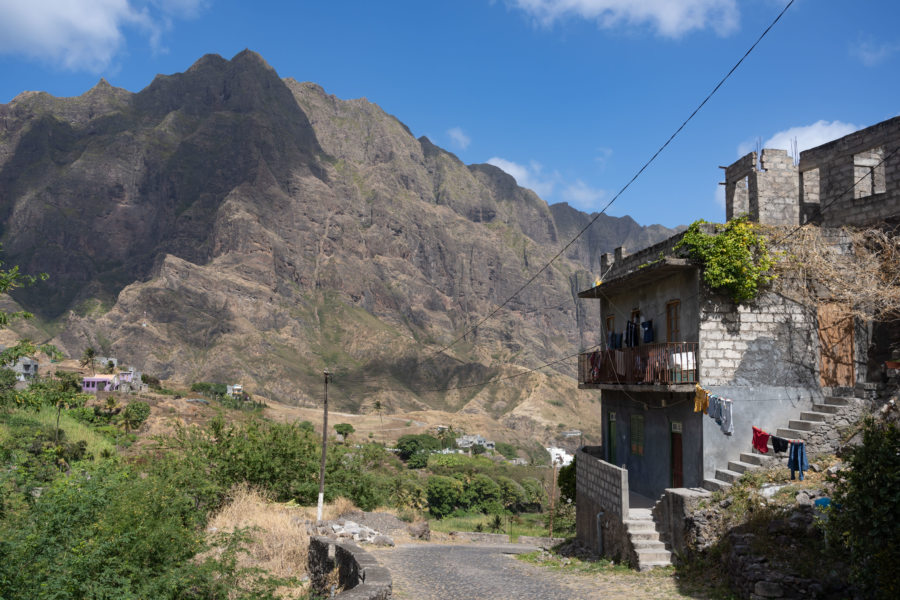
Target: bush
{"points": [[566, 481], [443, 494], [411, 444], [863, 522], [135, 414], [482, 494], [512, 494]]}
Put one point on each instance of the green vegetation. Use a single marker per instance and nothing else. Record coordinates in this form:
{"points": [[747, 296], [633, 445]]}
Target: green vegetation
{"points": [[344, 430], [862, 524], [734, 261]]}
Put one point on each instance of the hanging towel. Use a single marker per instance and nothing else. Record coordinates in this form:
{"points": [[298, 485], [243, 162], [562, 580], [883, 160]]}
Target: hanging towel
{"points": [[760, 440], [701, 399], [779, 444], [727, 423], [797, 459], [620, 362], [647, 328]]}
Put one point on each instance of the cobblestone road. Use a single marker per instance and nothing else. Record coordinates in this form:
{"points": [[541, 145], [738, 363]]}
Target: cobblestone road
{"points": [[481, 572]]}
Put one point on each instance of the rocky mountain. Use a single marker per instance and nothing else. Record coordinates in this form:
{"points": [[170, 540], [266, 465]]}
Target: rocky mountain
{"points": [[224, 224]]}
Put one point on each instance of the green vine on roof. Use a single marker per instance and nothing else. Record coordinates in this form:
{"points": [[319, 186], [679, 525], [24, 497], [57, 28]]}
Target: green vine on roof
{"points": [[734, 260]]}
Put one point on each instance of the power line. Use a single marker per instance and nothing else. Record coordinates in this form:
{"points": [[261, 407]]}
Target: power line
{"points": [[612, 200], [619, 193]]}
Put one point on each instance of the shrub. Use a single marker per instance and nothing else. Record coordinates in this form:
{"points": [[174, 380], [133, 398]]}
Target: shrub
{"points": [[507, 450], [135, 414], [735, 260], [483, 494], [566, 481], [863, 522], [443, 495]]}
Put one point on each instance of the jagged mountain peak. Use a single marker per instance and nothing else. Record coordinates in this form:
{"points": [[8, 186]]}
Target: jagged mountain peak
{"points": [[226, 224]]}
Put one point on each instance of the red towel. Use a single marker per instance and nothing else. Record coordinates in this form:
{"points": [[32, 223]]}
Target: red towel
{"points": [[760, 440]]}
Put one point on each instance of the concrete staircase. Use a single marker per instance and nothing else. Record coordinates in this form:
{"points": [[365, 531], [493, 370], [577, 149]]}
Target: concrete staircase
{"points": [[648, 547], [821, 416]]}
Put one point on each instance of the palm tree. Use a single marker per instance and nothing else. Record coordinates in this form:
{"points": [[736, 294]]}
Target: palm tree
{"points": [[379, 408], [89, 358]]}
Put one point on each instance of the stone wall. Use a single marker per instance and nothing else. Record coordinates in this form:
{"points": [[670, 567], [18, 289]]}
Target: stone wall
{"points": [[601, 505], [358, 573], [676, 520]]}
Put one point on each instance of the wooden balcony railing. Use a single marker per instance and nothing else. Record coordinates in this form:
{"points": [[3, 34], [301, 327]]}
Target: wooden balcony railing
{"points": [[652, 364]]}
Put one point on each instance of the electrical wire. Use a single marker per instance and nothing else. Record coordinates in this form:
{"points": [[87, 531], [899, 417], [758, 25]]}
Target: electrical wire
{"points": [[640, 171]]}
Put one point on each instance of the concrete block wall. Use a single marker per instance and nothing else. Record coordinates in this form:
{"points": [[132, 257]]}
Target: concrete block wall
{"points": [[853, 188], [601, 488], [770, 341], [769, 194]]}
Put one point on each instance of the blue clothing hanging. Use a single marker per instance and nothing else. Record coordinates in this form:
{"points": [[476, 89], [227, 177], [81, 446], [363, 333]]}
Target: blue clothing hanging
{"points": [[797, 459]]}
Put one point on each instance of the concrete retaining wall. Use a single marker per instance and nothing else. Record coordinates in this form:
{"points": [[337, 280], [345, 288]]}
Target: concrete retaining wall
{"points": [[601, 505], [358, 573]]}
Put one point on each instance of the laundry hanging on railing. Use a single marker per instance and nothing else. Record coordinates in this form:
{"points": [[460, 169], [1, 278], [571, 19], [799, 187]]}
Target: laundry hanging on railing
{"points": [[760, 440]]}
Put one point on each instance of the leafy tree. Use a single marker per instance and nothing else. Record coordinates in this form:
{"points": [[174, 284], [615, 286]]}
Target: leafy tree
{"points": [[512, 494], [418, 445], [483, 494], [135, 414], [862, 522], [565, 479], [478, 449], [443, 495], [306, 426], [89, 358], [344, 430], [534, 491]]}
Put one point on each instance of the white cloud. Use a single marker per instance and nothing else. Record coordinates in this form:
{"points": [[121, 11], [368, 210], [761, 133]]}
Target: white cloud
{"points": [[530, 176], [720, 196], [581, 194], [551, 186], [459, 138], [670, 18], [808, 136], [84, 34], [871, 53]]}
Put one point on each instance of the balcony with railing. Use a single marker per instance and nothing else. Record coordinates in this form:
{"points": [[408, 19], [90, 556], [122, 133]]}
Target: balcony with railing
{"points": [[663, 366]]}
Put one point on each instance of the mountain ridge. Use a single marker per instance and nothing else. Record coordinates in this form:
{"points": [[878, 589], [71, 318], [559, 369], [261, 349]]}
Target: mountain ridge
{"points": [[227, 224]]}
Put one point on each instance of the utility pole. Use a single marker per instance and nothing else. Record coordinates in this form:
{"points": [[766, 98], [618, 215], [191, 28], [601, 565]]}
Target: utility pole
{"points": [[324, 448], [552, 489]]}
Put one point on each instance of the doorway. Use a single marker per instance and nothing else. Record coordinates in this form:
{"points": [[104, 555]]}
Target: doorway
{"points": [[611, 438], [677, 456]]}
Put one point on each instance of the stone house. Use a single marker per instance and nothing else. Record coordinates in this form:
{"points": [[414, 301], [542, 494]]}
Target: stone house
{"points": [[776, 358]]}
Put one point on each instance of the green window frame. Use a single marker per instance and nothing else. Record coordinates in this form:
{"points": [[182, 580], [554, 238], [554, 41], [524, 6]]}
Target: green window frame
{"points": [[637, 435]]}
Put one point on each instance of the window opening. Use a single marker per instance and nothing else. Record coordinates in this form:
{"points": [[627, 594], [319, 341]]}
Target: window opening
{"points": [[868, 173]]}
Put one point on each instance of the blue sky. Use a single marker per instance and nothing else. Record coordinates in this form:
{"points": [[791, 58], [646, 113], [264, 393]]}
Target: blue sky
{"points": [[569, 96]]}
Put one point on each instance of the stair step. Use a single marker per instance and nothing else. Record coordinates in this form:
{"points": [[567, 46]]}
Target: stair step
{"points": [[643, 536], [826, 408], [652, 556], [653, 564], [727, 475], [649, 545], [760, 460], [639, 526], [640, 513], [794, 434], [715, 485], [837, 401], [741, 467], [803, 425], [815, 416]]}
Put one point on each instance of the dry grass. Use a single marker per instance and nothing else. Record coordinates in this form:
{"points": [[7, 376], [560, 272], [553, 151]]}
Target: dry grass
{"points": [[280, 539]]}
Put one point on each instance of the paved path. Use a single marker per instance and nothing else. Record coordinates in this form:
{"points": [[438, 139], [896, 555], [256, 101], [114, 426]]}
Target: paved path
{"points": [[480, 572]]}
